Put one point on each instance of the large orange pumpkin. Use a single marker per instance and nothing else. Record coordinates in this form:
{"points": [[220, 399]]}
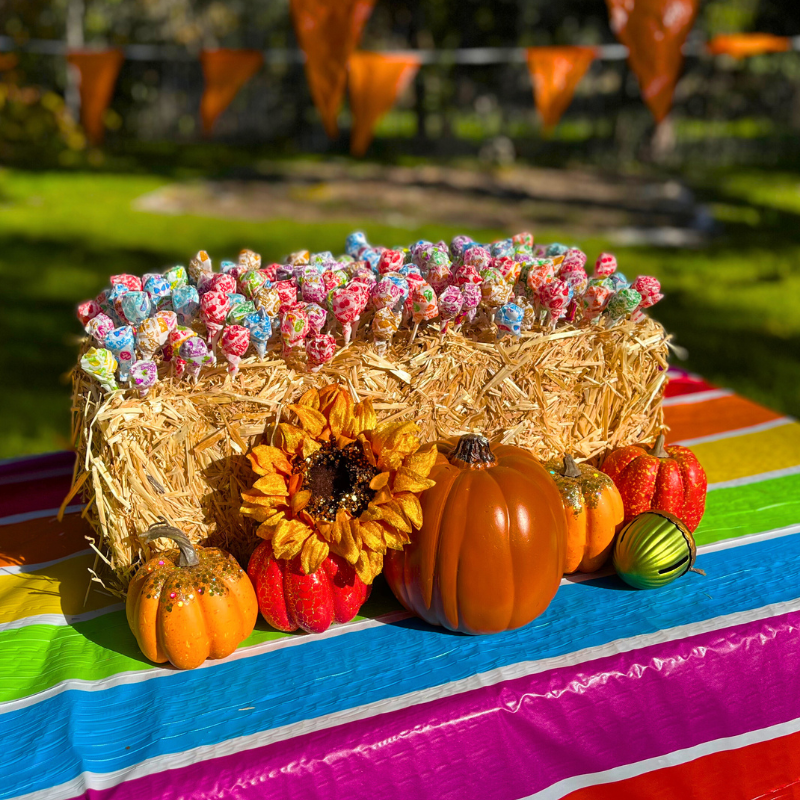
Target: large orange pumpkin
{"points": [[490, 553], [594, 513], [190, 604]]}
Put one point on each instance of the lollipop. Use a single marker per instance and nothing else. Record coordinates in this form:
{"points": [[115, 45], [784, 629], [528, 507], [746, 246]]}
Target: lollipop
{"points": [[268, 301], [390, 261], [196, 354], [105, 304], [386, 294], [574, 258], [606, 264], [619, 281], [650, 290], [229, 266], [214, 307], [457, 245], [472, 299], [249, 259], [234, 343], [150, 336], [494, 290], [576, 277], [199, 265], [159, 291], [176, 277], [88, 310], [502, 248], [135, 307], [121, 343], [239, 312], [317, 317], [223, 283], [237, 299], [524, 238], [300, 257], [130, 282], [451, 301], [99, 327], [205, 282], [175, 341], [346, 304], [509, 268], [622, 303], [478, 257], [467, 274], [556, 249], [144, 375], [354, 243], [594, 300], [294, 329], [186, 302], [252, 281], [260, 332], [423, 306], [320, 348], [508, 319], [528, 313], [554, 297], [314, 290], [101, 365], [385, 324], [271, 271], [287, 292], [115, 299]]}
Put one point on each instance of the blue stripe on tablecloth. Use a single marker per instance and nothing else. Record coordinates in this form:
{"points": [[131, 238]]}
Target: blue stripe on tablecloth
{"points": [[124, 725]]}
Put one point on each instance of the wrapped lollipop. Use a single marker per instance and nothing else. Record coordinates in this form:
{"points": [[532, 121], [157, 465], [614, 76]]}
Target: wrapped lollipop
{"points": [[556, 249], [269, 301], [619, 281], [385, 324], [115, 299], [176, 277], [136, 307], [249, 259], [574, 257], [554, 298], [528, 312], [622, 303], [317, 317], [200, 266], [299, 257], [287, 292], [478, 257], [239, 312], [495, 292], [354, 243], [234, 343], [508, 319], [503, 248], [650, 290], [386, 294], [186, 302], [237, 299], [131, 282], [451, 301], [196, 355], [101, 365], [260, 329], [214, 307], [122, 343], [159, 291], [605, 265], [457, 245], [252, 281], [402, 284], [524, 238], [88, 310], [98, 327], [578, 280], [144, 375], [508, 267], [205, 282], [175, 341], [294, 329], [320, 349], [472, 299], [595, 299], [105, 304], [221, 282], [313, 289], [229, 266], [423, 306], [150, 337], [346, 304], [390, 261], [465, 274]]}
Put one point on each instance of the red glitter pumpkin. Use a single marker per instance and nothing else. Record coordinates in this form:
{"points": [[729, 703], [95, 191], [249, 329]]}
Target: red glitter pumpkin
{"points": [[662, 479], [289, 599]]}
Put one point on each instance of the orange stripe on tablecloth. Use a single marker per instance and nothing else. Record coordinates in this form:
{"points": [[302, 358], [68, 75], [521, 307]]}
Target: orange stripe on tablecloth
{"points": [[766, 770], [40, 540], [714, 416]]}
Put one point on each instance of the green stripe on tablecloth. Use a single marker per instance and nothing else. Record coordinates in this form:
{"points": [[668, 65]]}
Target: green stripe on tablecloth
{"points": [[752, 508]]}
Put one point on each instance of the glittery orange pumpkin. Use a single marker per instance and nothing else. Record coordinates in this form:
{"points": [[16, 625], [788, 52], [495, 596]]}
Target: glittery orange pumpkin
{"points": [[189, 604], [594, 513]]}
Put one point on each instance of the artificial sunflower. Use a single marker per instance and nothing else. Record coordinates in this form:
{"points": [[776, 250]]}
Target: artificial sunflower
{"points": [[339, 482]]}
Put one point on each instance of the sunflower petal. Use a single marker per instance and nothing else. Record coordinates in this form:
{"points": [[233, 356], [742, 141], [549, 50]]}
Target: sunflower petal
{"points": [[309, 446], [314, 552], [289, 537], [292, 438], [266, 459], [407, 480], [395, 539], [327, 397], [366, 447], [255, 498], [368, 565], [402, 437], [340, 417], [411, 508], [258, 513], [390, 460], [300, 500], [379, 481], [372, 536], [391, 513], [266, 530], [312, 421], [383, 496], [310, 398], [364, 416], [345, 545], [272, 485], [422, 461]]}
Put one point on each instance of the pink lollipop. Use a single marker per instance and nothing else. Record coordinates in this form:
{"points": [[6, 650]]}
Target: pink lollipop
{"points": [[472, 299], [439, 276], [313, 290], [508, 268], [88, 310], [320, 349], [650, 290], [390, 261], [467, 274], [451, 301], [554, 298], [294, 329], [317, 317], [346, 304], [606, 264], [271, 271], [234, 343], [479, 258], [574, 258], [214, 307], [98, 327], [576, 277], [594, 300], [287, 291], [423, 306], [223, 282], [133, 283], [386, 294]]}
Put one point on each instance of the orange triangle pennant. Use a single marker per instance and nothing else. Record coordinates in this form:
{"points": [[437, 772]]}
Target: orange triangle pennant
{"points": [[376, 81], [742, 45], [555, 72], [654, 32], [328, 32], [224, 72], [98, 70]]}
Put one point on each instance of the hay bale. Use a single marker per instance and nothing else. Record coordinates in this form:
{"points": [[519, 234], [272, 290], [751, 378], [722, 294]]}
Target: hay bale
{"points": [[180, 453]]}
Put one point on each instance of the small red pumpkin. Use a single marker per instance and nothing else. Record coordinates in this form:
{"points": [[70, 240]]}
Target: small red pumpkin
{"points": [[662, 479], [289, 599]]}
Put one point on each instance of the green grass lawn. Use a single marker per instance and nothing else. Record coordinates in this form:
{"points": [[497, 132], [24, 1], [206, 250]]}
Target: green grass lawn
{"points": [[735, 305]]}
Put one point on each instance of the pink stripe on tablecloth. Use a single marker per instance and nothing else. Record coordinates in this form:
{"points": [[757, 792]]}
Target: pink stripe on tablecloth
{"points": [[683, 382], [517, 737]]}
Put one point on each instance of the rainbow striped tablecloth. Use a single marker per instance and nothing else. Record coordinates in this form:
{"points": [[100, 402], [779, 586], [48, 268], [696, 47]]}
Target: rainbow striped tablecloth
{"points": [[686, 692]]}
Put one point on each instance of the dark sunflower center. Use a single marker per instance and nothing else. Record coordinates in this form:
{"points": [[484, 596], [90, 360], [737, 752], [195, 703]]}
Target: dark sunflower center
{"points": [[338, 479]]}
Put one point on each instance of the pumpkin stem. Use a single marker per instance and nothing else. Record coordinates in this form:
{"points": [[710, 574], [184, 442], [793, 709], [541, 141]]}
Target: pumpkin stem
{"points": [[571, 469], [698, 571], [188, 557], [473, 451], [658, 448]]}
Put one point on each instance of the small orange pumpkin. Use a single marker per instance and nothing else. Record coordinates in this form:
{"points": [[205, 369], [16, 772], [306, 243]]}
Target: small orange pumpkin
{"points": [[189, 604], [490, 553], [594, 513]]}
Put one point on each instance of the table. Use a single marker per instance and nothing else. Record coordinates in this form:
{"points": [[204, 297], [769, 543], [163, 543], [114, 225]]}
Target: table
{"points": [[686, 692]]}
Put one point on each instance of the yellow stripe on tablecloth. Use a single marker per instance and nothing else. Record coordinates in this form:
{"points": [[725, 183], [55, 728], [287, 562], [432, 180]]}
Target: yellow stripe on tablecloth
{"points": [[750, 454], [56, 589]]}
